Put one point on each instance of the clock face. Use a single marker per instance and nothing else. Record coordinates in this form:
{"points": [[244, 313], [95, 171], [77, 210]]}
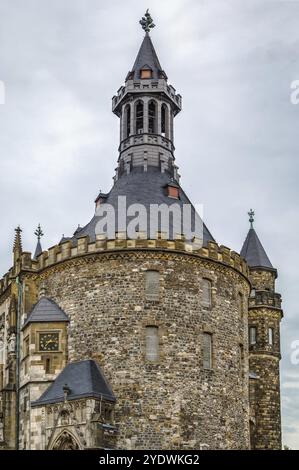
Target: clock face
{"points": [[48, 341]]}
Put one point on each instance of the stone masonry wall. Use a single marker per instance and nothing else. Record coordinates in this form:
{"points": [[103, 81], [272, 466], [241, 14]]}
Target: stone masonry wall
{"points": [[264, 362], [173, 403]]}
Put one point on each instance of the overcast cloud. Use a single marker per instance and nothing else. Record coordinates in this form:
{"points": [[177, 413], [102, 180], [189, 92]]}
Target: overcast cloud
{"points": [[236, 140]]}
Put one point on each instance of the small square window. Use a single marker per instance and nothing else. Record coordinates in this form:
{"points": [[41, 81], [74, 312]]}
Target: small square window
{"points": [[146, 73], [173, 192]]}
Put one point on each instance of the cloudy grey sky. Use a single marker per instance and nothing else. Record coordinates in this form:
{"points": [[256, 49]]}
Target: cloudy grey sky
{"points": [[236, 140]]}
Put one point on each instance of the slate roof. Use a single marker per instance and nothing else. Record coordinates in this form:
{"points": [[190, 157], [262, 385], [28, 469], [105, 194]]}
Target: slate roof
{"points": [[38, 249], [46, 311], [144, 188], [84, 379], [147, 59], [254, 252]]}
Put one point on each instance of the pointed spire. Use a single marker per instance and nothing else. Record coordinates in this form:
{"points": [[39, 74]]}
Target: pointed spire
{"points": [[17, 248], [147, 60], [253, 251], [38, 233]]}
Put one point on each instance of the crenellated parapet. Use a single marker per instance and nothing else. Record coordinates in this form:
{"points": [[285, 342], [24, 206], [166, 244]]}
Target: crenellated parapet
{"points": [[265, 299], [84, 246]]}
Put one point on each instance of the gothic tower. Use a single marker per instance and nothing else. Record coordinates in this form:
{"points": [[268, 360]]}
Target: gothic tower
{"points": [[139, 339], [146, 106], [264, 316]]}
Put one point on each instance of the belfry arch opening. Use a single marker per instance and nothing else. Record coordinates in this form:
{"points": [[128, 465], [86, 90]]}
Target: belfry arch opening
{"points": [[152, 117], [127, 123], [164, 121], [139, 117]]}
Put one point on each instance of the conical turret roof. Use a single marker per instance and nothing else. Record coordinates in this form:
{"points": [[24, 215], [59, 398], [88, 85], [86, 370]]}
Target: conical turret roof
{"points": [[254, 253], [147, 59]]}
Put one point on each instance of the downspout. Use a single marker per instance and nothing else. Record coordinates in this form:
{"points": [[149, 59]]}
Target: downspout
{"points": [[20, 296]]}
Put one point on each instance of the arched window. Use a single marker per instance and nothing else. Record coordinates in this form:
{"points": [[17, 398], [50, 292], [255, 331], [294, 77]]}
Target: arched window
{"points": [[139, 117], [152, 118], [127, 126], [164, 121]]}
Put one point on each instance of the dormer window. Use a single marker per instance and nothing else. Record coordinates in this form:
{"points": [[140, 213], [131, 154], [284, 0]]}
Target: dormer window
{"points": [[146, 72], [101, 199], [173, 190]]}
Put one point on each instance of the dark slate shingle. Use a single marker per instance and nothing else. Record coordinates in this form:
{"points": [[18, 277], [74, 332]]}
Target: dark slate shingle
{"points": [[38, 249], [144, 188], [46, 311], [84, 378], [148, 59], [254, 253]]}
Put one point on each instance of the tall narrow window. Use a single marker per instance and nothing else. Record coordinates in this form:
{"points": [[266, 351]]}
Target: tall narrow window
{"points": [[164, 121], [152, 285], [206, 293], [252, 335], [128, 120], [271, 336], [139, 117], [26, 347], [152, 119], [207, 351], [152, 343], [241, 304], [241, 360], [48, 366]]}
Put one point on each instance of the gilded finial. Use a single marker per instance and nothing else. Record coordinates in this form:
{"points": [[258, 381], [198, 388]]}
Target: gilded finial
{"points": [[147, 22], [38, 232], [251, 217]]}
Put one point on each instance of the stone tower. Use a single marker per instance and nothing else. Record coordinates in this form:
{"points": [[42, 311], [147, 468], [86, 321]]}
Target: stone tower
{"points": [[138, 339], [264, 316]]}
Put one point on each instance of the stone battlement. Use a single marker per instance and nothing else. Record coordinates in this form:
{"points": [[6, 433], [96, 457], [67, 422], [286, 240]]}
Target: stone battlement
{"points": [[67, 250]]}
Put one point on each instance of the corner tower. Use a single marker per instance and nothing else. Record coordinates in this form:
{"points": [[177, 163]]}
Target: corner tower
{"points": [[264, 316], [146, 106]]}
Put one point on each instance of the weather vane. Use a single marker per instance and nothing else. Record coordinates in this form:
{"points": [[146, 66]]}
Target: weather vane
{"points": [[251, 217], [38, 232], [147, 22]]}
